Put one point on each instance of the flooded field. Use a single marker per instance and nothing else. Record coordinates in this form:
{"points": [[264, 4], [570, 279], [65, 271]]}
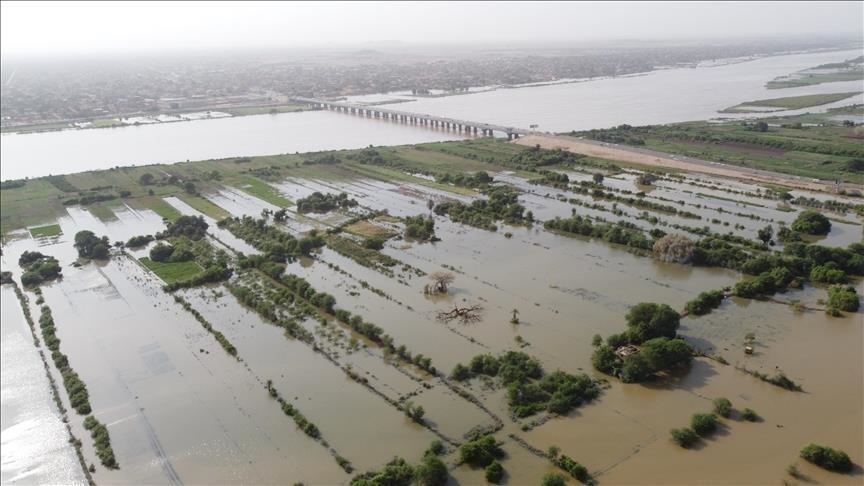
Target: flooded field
{"points": [[182, 407]]}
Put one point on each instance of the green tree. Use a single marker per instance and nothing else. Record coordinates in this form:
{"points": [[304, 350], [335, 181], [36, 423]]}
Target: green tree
{"points": [[723, 407], [494, 472], [663, 353], [811, 222], [703, 423], [605, 360], [827, 458], [90, 246], [432, 472], [635, 369], [843, 297], [765, 234], [648, 320], [684, 437]]}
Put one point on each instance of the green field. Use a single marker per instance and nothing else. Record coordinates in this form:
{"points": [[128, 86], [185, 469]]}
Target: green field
{"points": [[827, 151], [172, 272], [204, 206], [789, 102], [260, 189], [103, 212], [263, 110], [46, 231], [158, 206]]}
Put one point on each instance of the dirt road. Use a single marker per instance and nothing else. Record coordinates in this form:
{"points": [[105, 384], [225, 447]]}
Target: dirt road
{"points": [[659, 159]]}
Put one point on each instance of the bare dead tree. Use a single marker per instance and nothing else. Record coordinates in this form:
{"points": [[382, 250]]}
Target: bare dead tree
{"points": [[440, 281], [463, 314]]}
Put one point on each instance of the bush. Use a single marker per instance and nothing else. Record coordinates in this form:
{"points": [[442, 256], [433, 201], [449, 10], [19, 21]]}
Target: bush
{"points": [[494, 472], [811, 222], [575, 469], [635, 368], [827, 458], [828, 273], [723, 407], [684, 437], [420, 227], [703, 423], [432, 472], [605, 360]]}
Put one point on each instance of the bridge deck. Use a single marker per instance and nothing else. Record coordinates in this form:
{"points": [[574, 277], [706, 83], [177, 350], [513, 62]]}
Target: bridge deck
{"points": [[421, 116]]}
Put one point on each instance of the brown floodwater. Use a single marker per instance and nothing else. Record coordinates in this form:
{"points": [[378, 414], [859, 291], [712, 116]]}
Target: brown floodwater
{"points": [[179, 409]]}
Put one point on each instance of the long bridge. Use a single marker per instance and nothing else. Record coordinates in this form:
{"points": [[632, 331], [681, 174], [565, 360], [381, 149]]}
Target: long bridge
{"points": [[444, 123]]}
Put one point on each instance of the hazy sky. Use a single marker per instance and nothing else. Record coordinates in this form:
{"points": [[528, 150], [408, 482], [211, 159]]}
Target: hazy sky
{"points": [[93, 27]]}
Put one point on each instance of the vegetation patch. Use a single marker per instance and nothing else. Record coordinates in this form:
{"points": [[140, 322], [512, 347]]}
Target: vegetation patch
{"points": [[827, 458], [171, 272], [38, 268], [322, 203], [502, 205], [529, 388], [46, 231], [789, 102], [102, 442]]}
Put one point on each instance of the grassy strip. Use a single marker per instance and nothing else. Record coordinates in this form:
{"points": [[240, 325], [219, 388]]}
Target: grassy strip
{"points": [[790, 102], [172, 272], [46, 231], [367, 257], [263, 110], [205, 206], [260, 189], [816, 78], [160, 207], [103, 212]]}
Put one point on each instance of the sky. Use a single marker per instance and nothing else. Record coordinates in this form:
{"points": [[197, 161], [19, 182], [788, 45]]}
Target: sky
{"points": [[59, 28]]}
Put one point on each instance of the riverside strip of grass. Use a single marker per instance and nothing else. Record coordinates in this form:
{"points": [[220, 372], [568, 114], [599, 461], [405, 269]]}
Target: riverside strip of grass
{"points": [[46, 231], [790, 102], [172, 272]]}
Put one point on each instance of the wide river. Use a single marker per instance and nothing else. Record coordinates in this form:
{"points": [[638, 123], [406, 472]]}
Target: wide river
{"points": [[658, 97]]}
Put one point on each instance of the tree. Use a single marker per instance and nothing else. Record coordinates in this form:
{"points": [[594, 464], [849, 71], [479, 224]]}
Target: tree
{"points": [[811, 222], [190, 188], [635, 369], [598, 178], [827, 458], [674, 248], [723, 407], [90, 246], [765, 234], [480, 452], [664, 353], [414, 412], [161, 252], [596, 341], [605, 360], [515, 319], [684, 437], [146, 179], [494, 472], [648, 320], [646, 178], [440, 281], [703, 423], [433, 472], [843, 297]]}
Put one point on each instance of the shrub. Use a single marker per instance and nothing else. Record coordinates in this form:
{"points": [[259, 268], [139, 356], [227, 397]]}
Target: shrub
{"points": [[703, 423], [828, 273], [723, 407], [635, 368], [812, 223], [605, 360], [684, 437], [827, 458], [161, 252], [139, 241]]}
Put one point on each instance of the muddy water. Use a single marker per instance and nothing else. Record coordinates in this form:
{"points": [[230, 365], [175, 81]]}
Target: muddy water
{"points": [[322, 392], [150, 366], [35, 442]]}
